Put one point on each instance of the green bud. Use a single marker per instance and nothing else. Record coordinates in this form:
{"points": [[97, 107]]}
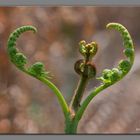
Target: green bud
{"points": [[20, 60], [106, 73], [88, 50], [12, 51], [124, 65], [129, 52], [115, 74], [37, 68], [110, 76], [94, 49]]}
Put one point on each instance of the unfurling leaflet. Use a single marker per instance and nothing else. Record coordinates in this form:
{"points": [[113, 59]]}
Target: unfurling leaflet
{"points": [[84, 67], [109, 77], [36, 70], [19, 59]]}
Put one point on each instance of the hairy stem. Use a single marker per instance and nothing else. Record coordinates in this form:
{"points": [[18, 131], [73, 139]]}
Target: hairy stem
{"points": [[75, 103]]}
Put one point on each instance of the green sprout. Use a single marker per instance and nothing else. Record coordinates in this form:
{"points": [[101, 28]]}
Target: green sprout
{"points": [[84, 67]]}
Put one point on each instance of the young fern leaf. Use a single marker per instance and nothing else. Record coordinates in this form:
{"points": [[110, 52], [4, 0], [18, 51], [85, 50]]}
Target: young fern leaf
{"points": [[19, 59], [16, 57], [36, 70], [111, 76]]}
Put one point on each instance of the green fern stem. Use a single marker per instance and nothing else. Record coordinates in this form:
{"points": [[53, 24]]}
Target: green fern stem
{"points": [[75, 102], [57, 93]]}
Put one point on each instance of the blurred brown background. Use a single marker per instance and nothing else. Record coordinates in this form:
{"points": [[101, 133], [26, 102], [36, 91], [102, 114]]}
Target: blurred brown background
{"points": [[28, 106]]}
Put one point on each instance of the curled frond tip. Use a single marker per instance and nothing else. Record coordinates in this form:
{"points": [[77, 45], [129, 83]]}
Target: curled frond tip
{"points": [[109, 77], [16, 57]]}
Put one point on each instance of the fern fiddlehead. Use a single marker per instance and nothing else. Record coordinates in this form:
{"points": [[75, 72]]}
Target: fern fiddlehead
{"points": [[36, 70], [83, 67], [19, 59], [114, 75], [111, 76]]}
